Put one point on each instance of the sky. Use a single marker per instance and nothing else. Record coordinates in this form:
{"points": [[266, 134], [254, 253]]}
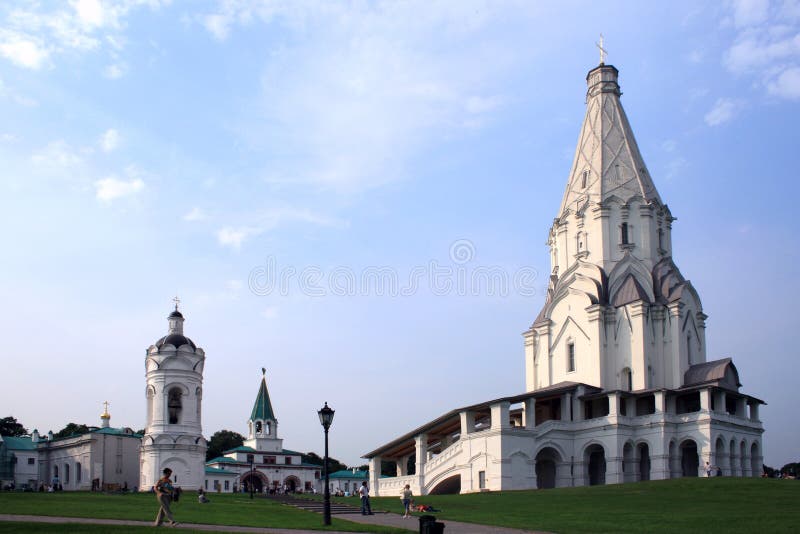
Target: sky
{"points": [[267, 162]]}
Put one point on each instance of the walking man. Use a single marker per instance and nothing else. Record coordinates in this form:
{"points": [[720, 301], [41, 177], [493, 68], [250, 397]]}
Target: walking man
{"points": [[164, 492], [363, 492]]}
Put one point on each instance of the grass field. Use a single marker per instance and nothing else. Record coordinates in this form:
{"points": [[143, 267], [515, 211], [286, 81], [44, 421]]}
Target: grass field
{"points": [[722, 504], [680, 505], [225, 509]]}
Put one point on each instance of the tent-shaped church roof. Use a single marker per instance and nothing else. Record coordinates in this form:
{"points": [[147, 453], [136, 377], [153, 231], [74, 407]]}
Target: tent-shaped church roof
{"points": [[262, 409]]}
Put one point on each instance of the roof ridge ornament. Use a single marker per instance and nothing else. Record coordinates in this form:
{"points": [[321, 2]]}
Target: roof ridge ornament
{"points": [[603, 51], [177, 301]]}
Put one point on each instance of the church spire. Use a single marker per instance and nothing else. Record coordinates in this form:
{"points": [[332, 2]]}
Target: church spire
{"points": [[262, 409], [607, 160]]}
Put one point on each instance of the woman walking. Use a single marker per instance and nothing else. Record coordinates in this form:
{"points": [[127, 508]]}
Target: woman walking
{"points": [[406, 498], [164, 492]]}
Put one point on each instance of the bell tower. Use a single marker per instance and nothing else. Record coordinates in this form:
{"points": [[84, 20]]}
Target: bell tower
{"points": [[262, 427], [174, 390]]}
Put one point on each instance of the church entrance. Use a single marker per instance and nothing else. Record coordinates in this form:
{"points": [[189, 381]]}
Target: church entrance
{"points": [[546, 462], [596, 457], [291, 484], [690, 461], [254, 481], [644, 461]]}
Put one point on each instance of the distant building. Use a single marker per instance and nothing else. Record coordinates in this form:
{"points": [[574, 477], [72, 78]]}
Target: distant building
{"points": [[618, 388], [347, 481], [273, 467], [103, 458]]}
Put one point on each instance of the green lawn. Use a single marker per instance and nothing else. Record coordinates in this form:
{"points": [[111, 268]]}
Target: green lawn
{"points": [[74, 528], [680, 505], [225, 509]]}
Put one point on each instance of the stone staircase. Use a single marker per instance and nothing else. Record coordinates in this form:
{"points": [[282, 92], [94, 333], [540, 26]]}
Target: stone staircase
{"points": [[316, 505]]}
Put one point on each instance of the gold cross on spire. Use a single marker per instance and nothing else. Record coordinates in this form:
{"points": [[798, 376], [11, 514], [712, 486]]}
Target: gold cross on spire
{"points": [[177, 301], [105, 408], [603, 51]]}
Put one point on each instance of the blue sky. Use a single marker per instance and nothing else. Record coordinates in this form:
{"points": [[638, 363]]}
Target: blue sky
{"points": [[155, 148]]}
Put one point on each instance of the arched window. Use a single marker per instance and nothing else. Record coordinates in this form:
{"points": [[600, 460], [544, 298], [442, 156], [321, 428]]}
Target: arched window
{"points": [[571, 357], [624, 233], [78, 474], [584, 179], [174, 405], [55, 471], [258, 427], [66, 473]]}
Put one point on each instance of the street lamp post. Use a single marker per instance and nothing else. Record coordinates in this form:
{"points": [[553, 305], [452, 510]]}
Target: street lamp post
{"points": [[326, 418], [252, 475]]}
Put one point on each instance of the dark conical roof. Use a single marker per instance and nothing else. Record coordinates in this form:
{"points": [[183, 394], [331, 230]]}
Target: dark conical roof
{"points": [[262, 409]]}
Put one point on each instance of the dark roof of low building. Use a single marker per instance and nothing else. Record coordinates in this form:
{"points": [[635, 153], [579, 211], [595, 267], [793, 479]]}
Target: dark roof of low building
{"points": [[21, 443], [175, 340], [715, 371]]}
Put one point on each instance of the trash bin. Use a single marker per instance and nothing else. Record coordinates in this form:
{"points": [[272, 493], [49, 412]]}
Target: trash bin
{"points": [[429, 525]]}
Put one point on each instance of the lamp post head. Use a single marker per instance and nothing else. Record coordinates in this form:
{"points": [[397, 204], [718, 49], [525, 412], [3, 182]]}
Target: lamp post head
{"points": [[326, 416]]}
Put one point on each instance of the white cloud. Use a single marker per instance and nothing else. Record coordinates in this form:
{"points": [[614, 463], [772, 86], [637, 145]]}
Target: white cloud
{"points": [[57, 154], [355, 92], [270, 312], [218, 25], [109, 141], [750, 12], [786, 84], [33, 33], [767, 45], [115, 71], [112, 188], [22, 50], [724, 109], [669, 145], [195, 214], [234, 237]]}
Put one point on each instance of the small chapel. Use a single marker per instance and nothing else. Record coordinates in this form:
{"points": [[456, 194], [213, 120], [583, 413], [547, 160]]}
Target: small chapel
{"points": [[618, 384]]}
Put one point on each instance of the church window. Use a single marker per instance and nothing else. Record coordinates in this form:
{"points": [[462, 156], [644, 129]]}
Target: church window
{"points": [[250, 459], [31, 461], [624, 233], [288, 460], [258, 427], [66, 473], [269, 459], [174, 405], [571, 357], [482, 479], [205, 483], [55, 471], [627, 379], [660, 239], [78, 473], [584, 179], [227, 485]]}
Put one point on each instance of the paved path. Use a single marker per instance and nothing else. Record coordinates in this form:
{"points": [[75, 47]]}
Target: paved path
{"points": [[385, 519], [352, 513]]}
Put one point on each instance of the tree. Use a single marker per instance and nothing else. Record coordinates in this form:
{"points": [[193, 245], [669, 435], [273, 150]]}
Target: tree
{"points": [[221, 441], [10, 427], [333, 464], [71, 429]]}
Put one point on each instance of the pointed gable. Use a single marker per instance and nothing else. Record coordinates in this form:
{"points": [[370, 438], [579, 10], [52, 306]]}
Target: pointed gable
{"points": [[630, 291], [607, 160], [262, 409]]}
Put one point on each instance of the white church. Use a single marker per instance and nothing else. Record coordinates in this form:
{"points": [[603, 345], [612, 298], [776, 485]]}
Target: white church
{"points": [[618, 387]]}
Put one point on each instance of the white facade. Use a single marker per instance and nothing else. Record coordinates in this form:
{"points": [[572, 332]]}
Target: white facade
{"points": [[618, 385], [103, 458], [174, 392]]}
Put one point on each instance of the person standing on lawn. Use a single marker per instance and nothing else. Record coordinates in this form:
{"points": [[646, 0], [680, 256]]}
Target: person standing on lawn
{"points": [[363, 492], [405, 496], [164, 492]]}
